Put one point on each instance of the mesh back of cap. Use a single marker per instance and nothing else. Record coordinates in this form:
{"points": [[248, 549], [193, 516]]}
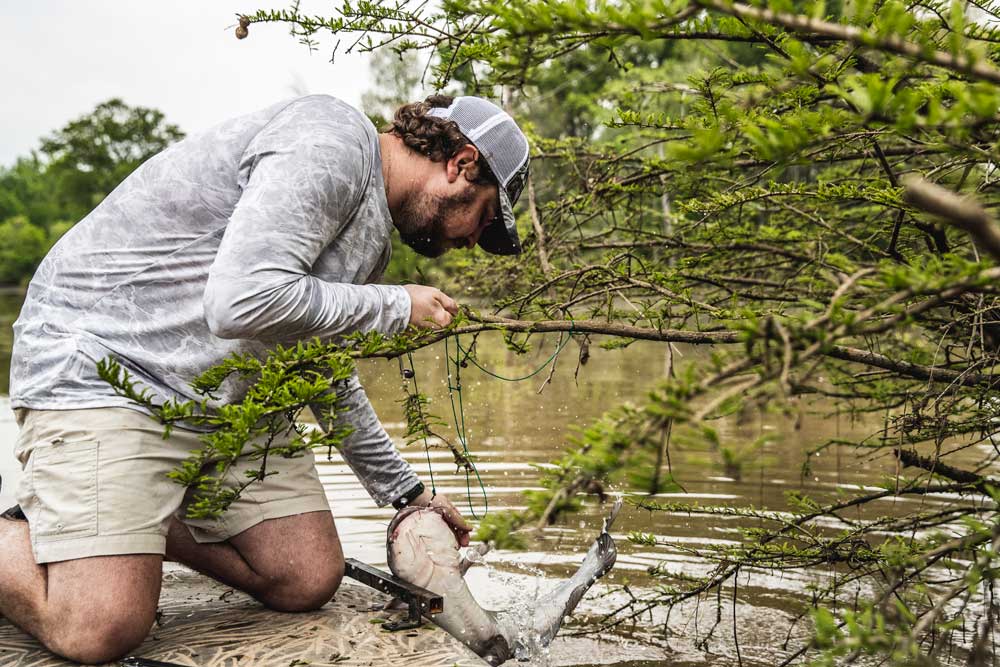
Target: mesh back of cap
{"points": [[493, 132]]}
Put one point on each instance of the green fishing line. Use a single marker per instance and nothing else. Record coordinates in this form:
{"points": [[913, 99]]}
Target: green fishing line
{"points": [[416, 394], [458, 412], [459, 416], [562, 344], [462, 355]]}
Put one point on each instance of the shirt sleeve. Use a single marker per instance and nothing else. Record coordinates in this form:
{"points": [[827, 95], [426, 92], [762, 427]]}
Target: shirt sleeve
{"points": [[368, 450], [304, 177]]}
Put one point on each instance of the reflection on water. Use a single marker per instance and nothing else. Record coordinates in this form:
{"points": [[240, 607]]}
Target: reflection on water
{"points": [[511, 427]]}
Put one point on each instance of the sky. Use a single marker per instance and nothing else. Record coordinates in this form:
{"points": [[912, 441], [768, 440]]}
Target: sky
{"points": [[60, 58]]}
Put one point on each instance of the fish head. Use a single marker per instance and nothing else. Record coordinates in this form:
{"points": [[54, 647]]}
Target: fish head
{"points": [[393, 531], [420, 541]]}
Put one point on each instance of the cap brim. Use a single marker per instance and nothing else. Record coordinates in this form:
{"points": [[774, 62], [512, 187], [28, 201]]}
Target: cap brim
{"points": [[500, 237]]}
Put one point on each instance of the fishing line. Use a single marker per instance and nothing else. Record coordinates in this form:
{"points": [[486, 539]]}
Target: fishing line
{"points": [[412, 376], [461, 356], [468, 356], [459, 416]]}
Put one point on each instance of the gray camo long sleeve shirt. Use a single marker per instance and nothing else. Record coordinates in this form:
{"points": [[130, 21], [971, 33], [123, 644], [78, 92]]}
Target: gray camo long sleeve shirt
{"points": [[271, 227]]}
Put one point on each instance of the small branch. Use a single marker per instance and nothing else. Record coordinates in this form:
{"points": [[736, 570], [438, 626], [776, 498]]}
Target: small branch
{"points": [[802, 24], [536, 224], [552, 368]]}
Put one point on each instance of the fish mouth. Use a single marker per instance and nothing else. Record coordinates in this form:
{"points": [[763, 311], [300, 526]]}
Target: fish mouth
{"points": [[392, 532]]}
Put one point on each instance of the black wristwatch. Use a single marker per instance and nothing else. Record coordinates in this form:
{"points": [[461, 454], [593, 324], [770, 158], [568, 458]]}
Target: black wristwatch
{"points": [[409, 496]]}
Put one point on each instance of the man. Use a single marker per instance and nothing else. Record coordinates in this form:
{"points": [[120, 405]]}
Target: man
{"points": [[269, 228]]}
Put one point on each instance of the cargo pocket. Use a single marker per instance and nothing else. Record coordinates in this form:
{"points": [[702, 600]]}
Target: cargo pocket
{"points": [[63, 503]]}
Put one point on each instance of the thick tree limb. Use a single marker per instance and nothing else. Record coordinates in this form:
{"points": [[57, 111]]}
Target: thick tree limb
{"points": [[910, 458], [722, 337], [929, 373], [961, 212]]}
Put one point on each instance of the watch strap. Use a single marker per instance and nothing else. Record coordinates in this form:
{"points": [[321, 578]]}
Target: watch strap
{"points": [[408, 497]]}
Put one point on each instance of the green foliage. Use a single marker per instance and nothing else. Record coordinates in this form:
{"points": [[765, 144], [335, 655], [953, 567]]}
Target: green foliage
{"points": [[500, 529], [23, 245], [263, 425], [74, 169]]}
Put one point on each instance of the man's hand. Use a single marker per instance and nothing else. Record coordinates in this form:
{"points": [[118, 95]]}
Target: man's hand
{"points": [[430, 307], [451, 515]]}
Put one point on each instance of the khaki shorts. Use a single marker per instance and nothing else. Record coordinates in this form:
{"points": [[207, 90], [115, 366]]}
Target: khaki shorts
{"points": [[95, 484]]}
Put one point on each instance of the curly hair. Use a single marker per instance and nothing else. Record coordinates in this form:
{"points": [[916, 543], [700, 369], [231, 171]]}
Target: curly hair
{"points": [[437, 139]]}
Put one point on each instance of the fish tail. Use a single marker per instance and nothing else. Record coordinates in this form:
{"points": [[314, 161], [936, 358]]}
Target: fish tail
{"points": [[555, 607]]}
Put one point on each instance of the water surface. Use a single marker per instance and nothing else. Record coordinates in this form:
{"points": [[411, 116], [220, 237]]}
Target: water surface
{"points": [[512, 427]]}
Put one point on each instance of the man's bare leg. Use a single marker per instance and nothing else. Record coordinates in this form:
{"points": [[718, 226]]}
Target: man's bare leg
{"points": [[94, 610], [294, 563], [91, 610]]}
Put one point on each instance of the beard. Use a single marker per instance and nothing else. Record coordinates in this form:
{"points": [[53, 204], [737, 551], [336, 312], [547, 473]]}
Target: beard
{"points": [[430, 244], [422, 221]]}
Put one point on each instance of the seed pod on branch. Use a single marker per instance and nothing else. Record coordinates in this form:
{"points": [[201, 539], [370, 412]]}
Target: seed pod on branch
{"points": [[243, 29]]}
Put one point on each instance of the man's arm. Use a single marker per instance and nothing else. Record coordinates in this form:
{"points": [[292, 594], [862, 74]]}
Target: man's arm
{"points": [[375, 461], [368, 450], [294, 205], [298, 196]]}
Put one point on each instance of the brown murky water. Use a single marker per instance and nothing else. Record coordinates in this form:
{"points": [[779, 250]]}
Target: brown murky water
{"points": [[511, 427]]}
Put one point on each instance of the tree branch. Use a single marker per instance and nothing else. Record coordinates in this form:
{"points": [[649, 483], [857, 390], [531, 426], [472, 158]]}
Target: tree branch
{"points": [[802, 24], [962, 212]]}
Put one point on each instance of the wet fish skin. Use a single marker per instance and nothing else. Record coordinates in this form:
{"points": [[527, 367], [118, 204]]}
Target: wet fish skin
{"points": [[423, 550]]}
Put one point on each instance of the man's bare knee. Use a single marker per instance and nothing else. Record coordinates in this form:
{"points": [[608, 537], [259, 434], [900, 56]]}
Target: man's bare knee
{"points": [[101, 637], [101, 608], [304, 591], [298, 559]]}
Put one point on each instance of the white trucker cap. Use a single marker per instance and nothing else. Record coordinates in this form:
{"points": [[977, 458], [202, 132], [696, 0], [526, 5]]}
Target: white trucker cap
{"points": [[505, 148]]}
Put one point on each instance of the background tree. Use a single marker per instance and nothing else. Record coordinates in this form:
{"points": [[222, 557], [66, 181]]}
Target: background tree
{"points": [[91, 155], [397, 79], [23, 246], [74, 169]]}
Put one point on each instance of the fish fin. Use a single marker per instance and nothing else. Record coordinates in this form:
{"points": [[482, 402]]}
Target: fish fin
{"points": [[608, 553], [610, 519], [473, 556]]}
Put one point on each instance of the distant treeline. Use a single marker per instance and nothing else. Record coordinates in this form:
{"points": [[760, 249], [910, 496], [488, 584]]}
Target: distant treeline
{"points": [[44, 194]]}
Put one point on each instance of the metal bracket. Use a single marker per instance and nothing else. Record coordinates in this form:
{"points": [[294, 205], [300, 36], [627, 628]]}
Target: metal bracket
{"points": [[419, 601], [134, 661]]}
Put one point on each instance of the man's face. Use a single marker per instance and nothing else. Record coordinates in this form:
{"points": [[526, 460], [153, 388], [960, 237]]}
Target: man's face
{"points": [[446, 214]]}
